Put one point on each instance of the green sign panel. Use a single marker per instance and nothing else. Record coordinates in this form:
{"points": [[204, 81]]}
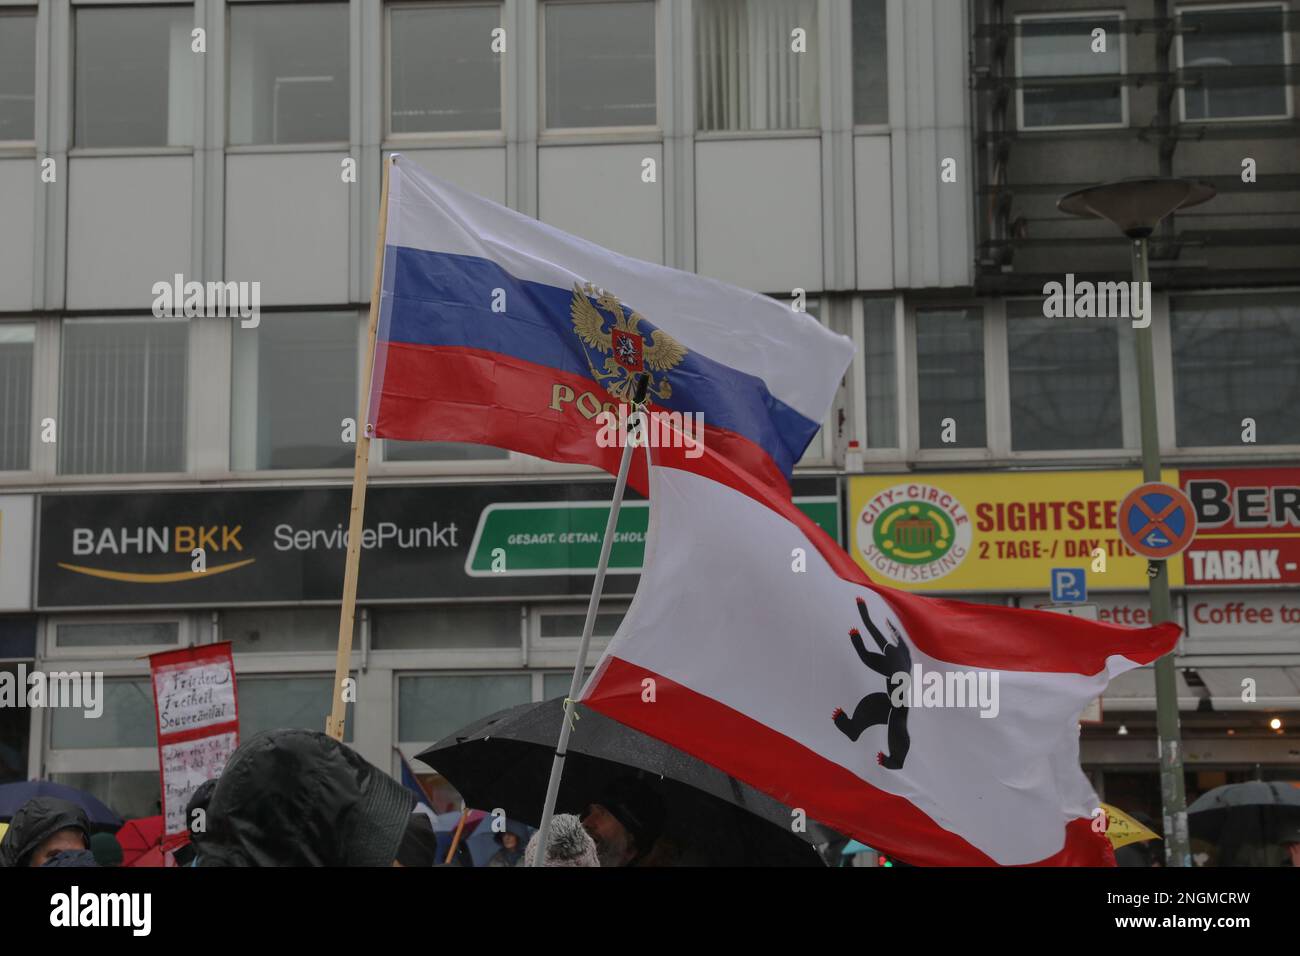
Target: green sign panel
{"points": [[534, 538]]}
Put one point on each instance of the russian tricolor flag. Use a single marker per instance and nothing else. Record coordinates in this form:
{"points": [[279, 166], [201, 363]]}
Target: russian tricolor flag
{"points": [[497, 329]]}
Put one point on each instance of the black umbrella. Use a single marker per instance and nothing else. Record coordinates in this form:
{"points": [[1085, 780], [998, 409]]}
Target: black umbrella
{"points": [[504, 761], [1244, 819]]}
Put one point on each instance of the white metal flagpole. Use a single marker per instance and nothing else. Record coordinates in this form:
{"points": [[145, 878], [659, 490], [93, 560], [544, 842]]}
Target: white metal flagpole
{"points": [[606, 544]]}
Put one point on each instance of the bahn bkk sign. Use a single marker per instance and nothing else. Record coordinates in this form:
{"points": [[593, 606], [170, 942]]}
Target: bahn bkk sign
{"points": [[289, 545]]}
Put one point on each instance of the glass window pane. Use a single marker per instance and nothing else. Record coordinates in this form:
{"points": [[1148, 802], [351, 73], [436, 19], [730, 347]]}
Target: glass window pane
{"points": [[270, 703], [430, 708], [17, 348], [1218, 39], [443, 75], [747, 76], [1058, 47], [294, 381], [129, 793], [1236, 357], [881, 372], [127, 633], [122, 396], [17, 75], [134, 76], [950, 375], [558, 684], [600, 64], [15, 733], [288, 77], [128, 719], [441, 451], [569, 624], [1065, 388], [445, 627], [282, 630], [870, 63]]}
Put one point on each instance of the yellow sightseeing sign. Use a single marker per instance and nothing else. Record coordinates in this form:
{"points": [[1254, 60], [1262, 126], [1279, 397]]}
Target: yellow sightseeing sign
{"points": [[1002, 531]]}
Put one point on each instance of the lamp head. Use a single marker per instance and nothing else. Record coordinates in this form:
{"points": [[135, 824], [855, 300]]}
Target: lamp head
{"points": [[1136, 206]]}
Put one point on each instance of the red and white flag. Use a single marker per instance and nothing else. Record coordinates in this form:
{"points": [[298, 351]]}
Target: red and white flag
{"points": [[755, 643]]}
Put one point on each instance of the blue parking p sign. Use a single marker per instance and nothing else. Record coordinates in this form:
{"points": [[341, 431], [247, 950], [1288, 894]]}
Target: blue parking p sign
{"points": [[1069, 585]]}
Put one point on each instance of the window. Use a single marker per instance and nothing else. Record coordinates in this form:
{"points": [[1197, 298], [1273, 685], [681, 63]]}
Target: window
{"points": [[558, 684], [950, 376], [269, 703], [100, 635], [128, 719], [450, 627], [288, 75], [442, 73], [134, 76], [294, 381], [441, 451], [17, 76], [747, 73], [561, 623], [132, 793], [17, 344], [430, 708], [1236, 357], [1065, 381], [1062, 48], [870, 63], [600, 64], [122, 396], [283, 630], [1216, 45], [881, 372], [15, 730]]}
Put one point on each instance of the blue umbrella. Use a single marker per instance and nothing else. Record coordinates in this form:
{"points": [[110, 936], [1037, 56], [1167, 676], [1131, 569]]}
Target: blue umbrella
{"points": [[14, 795], [483, 843]]}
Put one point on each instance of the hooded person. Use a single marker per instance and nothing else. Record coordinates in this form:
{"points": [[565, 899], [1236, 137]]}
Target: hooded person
{"points": [[419, 846], [107, 851], [42, 827], [196, 823], [301, 798], [625, 822], [570, 844]]}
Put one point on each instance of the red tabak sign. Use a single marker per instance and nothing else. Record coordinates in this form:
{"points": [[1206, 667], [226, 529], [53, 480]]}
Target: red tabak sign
{"points": [[198, 722], [1248, 527]]}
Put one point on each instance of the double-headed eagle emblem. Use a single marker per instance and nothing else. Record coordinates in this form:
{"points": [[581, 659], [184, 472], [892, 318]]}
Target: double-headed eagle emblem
{"points": [[628, 351]]}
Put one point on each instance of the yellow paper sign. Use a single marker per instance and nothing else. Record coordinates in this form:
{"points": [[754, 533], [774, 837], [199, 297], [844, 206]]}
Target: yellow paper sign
{"points": [[995, 531], [1122, 829]]}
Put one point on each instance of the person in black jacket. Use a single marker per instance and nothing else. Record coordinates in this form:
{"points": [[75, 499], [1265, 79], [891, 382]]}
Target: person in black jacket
{"points": [[301, 798], [43, 827]]}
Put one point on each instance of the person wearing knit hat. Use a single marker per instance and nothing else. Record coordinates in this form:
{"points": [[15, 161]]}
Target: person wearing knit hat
{"points": [[625, 822], [570, 844]]}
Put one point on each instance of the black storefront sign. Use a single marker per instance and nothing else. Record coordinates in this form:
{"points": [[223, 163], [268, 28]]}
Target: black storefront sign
{"points": [[285, 546]]}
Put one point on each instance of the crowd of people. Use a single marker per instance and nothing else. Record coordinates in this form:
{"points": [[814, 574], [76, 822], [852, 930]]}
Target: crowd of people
{"points": [[302, 798]]}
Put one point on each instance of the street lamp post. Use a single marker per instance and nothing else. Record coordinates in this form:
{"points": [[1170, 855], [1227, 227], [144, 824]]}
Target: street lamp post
{"points": [[1136, 206]]}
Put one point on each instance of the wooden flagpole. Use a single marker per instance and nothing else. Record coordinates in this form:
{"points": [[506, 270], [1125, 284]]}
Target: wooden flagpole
{"points": [[335, 722]]}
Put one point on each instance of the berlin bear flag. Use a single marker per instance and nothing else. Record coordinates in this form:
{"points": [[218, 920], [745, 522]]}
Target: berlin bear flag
{"points": [[756, 644], [497, 329]]}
